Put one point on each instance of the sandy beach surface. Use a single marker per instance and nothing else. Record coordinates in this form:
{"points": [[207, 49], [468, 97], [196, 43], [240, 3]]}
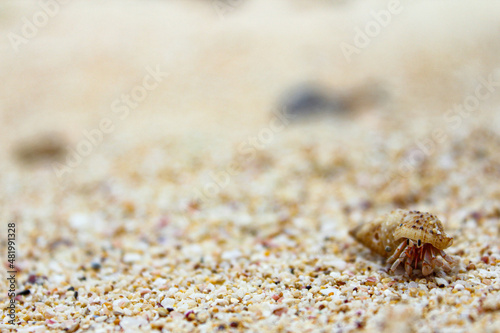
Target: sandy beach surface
{"points": [[157, 179]]}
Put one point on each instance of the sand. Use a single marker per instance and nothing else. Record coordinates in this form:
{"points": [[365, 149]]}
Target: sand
{"points": [[200, 206]]}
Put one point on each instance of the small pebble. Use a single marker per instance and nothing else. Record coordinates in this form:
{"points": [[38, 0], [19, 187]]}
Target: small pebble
{"points": [[441, 282], [24, 292], [95, 265]]}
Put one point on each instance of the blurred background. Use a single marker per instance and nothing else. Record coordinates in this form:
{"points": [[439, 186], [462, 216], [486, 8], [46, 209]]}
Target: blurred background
{"points": [[92, 91]]}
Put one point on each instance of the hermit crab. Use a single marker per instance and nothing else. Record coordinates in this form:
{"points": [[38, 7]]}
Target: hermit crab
{"points": [[410, 237]]}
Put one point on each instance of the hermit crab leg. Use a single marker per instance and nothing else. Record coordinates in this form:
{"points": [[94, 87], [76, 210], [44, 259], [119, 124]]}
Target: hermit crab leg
{"points": [[427, 265], [396, 253], [401, 258], [446, 267], [447, 257], [416, 257], [435, 261], [410, 254], [408, 268]]}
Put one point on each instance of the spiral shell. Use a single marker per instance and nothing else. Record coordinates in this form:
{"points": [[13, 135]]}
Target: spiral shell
{"points": [[411, 237]]}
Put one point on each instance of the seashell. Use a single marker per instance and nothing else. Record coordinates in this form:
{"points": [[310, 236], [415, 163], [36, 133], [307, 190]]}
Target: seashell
{"points": [[410, 237]]}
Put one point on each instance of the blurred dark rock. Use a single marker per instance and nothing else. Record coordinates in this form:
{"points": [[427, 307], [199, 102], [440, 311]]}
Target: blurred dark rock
{"points": [[306, 100], [40, 148], [309, 100]]}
